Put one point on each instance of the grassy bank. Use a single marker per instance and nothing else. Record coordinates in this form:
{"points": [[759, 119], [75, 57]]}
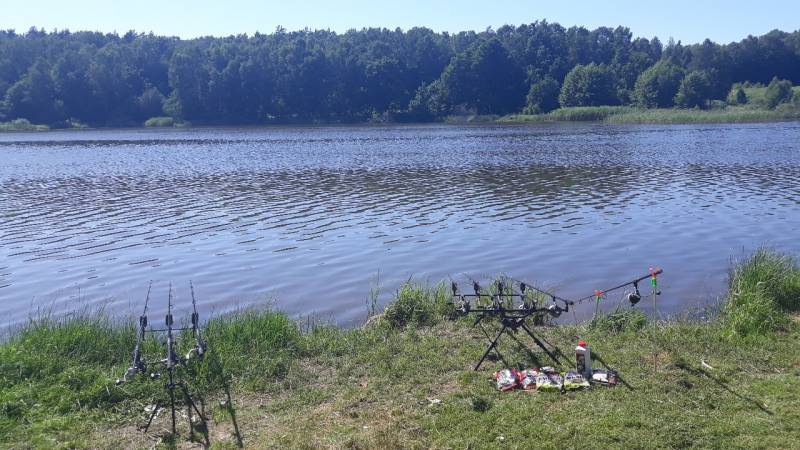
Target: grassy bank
{"points": [[622, 114], [405, 380], [756, 95]]}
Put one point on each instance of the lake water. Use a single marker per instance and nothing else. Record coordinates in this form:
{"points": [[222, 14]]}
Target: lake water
{"points": [[312, 218]]}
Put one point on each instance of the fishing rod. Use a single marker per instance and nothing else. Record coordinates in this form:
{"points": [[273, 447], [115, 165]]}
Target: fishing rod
{"points": [[138, 365], [497, 304], [554, 309], [200, 344], [172, 359], [633, 297]]}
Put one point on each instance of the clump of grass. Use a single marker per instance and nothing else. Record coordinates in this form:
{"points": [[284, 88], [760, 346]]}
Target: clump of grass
{"points": [[22, 125], [619, 321], [586, 113], [762, 289], [572, 114], [257, 346], [164, 121], [59, 367], [418, 304]]}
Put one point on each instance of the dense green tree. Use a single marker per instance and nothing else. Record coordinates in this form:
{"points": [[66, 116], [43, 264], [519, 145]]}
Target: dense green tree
{"points": [[715, 62], [656, 87], [778, 91], [542, 96], [589, 85], [34, 96], [694, 91], [484, 78], [429, 102], [189, 85]]}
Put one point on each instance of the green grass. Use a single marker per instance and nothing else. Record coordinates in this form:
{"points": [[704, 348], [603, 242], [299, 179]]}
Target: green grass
{"points": [[573, 114], [726, 115], [405, 380], [763, 289], [622, 114], [418, 304], [755, 94], [21, 125]]}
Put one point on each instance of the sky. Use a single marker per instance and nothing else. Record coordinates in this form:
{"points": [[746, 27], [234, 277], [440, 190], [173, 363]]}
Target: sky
{"points": [[690, 21]]}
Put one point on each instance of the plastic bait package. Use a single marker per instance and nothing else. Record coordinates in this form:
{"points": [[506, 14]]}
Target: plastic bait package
{"points": [[549, 382], [574, 381], [506, 379], [527, 379]]}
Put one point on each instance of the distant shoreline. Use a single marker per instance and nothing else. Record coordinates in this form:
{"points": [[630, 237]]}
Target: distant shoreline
{"points": [[600, 114]]}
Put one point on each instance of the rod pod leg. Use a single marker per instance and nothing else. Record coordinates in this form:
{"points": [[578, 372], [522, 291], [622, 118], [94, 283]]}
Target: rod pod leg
{"points": [[192, 406], [538, 342], [152, 416], [489, 338], [171, 388], [491, 346]]}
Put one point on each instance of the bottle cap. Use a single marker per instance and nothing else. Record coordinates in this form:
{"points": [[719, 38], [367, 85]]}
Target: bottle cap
{"points": [[582, 343]]}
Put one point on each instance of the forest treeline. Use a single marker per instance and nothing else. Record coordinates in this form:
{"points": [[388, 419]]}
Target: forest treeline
{"points": [[62, 77]]}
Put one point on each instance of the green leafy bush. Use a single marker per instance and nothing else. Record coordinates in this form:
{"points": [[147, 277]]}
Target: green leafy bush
{"points": [[778, 91], [737, 96], [694, 91], [589, 85], [21, 125], [159, 122], [656, 87], [542, 96]]}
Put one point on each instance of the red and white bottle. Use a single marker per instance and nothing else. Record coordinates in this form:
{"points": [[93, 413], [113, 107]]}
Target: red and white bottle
{"points": [[583, 360]]}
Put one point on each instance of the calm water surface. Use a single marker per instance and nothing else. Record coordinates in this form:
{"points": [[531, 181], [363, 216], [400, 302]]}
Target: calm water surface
{"points": [[311, 218]]}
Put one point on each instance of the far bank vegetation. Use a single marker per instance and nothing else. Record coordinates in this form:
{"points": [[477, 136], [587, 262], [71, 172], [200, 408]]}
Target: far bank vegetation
{"points": [[62, 78]]}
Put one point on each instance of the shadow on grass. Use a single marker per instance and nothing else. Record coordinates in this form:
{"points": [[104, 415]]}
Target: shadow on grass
{"points": [[700, 372], [620, 379], [215, 367], [553, 352]]}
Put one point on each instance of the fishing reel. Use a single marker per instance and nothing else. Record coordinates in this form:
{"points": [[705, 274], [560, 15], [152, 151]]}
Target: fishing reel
{"points": [[200, 344], [462, 302], [554, 309], [138, 366], [635, 296], [131, 372]]}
